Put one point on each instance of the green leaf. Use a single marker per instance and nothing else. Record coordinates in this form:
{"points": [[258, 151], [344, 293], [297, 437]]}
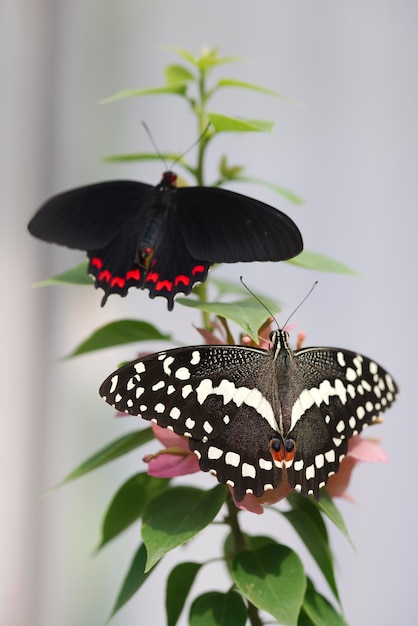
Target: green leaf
{"points": [[320, 262], [177, 74], [128, 503], [207, 59], [282, 191], [118, 333], [218, 609], [176, 516], [134, 580], [179, 583], [247, 313], [327, 506], [225, 123], [112, 451], [317, 611], [250, 543], [308, 523], [229, 171], [272, 578], [231, 82], [179, 89], [184, 54], [210, 60], [75, 276]]}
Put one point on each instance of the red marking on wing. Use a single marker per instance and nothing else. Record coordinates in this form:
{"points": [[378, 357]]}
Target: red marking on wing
{"points": [[96, 262], [117, 281], [164, 284], [133, 274], [197, 269], [153, 276], [105, 275], [181, 278], [282, 454]]}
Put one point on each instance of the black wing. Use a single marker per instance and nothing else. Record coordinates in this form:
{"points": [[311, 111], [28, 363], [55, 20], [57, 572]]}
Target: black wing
{"points": [[90, 217], [205, 393], [340, 393], [224, 226]]}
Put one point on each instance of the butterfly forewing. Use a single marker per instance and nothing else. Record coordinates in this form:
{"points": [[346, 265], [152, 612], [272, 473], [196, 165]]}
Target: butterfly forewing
{"points": [[252, 415], [89, 217]]}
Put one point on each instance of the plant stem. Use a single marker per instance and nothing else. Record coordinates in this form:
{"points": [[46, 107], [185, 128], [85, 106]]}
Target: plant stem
{"points": [[240, 543]]}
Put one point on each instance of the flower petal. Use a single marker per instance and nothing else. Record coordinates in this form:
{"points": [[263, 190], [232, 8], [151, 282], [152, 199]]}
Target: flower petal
{"points": [[367, 450], [171, 465], [169, 439]]}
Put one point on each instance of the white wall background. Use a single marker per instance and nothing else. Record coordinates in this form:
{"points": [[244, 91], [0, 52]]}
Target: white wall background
{"points": [[350, 151]]}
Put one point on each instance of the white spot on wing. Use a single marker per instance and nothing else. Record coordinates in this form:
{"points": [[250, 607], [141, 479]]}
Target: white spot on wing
{"points": [[350, 374], [186, 391], [298, 465], [195, 357], [167, 365], [182, 373], [214, 453], [265, 464], [158, 385], [232, 458], [248, 471], [139, 367], [341, 359], [310, 472], [114, 383], [360, 412]]}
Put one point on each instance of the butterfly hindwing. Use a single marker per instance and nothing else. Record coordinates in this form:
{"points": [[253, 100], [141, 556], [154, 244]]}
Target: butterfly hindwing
{"points": [[173, 268]]}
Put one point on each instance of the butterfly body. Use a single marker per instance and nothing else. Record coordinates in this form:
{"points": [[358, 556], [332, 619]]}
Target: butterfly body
{"points": [[163, 238], [254, 417]]}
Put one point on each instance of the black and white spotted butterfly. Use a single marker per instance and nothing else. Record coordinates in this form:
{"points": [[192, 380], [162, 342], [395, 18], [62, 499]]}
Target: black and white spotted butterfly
{"points": [[252, 415]]}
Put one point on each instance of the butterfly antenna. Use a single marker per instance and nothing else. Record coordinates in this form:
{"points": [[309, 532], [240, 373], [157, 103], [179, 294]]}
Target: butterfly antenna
{"points": [[195, 143], [300, 303], [152, 140], [263, 304]]}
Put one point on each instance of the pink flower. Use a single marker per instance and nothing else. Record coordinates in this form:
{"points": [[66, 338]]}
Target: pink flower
{"points": [[175, 459], [367, 450]]}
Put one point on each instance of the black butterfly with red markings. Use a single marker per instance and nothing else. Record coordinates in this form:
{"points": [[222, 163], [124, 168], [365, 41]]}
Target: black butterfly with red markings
{"points": [[163, 238], [254, 416]]}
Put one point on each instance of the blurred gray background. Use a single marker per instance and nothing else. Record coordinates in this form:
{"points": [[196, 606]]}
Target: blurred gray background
{"points": [[348, 147]]}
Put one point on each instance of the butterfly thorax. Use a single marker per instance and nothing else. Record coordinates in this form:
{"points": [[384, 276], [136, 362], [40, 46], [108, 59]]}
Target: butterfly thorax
{"points": [[152, 232], [168, 181], [286, 377]]}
